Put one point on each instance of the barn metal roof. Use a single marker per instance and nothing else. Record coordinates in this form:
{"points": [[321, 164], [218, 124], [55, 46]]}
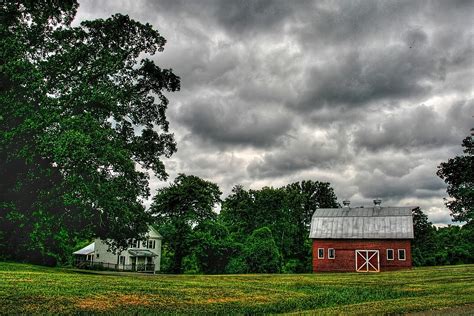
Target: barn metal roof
{"points": [[362, 223]]}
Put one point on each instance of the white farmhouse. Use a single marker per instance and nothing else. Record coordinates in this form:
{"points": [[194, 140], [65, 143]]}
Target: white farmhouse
{"points": [[141, 256]]}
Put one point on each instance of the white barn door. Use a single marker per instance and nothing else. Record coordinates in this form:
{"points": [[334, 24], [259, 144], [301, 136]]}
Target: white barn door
{"points": [[367, 260]]}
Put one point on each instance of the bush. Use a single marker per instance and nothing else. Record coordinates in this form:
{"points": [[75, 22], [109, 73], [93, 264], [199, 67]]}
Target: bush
{"points": [[291, 266], [261, 253], [236, 265], [190, 265]]}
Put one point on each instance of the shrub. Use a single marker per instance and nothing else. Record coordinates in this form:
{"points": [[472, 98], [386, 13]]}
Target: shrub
{"points": [[261, 253]]}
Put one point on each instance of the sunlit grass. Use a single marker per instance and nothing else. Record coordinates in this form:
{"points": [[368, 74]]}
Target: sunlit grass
{"points": [[28, 289]]}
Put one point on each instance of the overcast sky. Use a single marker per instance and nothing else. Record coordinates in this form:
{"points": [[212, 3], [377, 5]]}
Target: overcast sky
{"points": [[368, 95]]}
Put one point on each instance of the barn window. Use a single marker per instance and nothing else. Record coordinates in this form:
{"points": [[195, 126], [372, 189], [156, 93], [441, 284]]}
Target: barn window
{"points": [[331, 253], [122, 259], [401, 254], [389, 254], [320, 253]]}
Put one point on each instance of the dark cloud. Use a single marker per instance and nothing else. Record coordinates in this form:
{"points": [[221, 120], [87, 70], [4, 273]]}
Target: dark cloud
{"points": [[361, 78], [415, 128], [303, 152], [251, 16], [418, 183], [225, 122], [368, 95]]}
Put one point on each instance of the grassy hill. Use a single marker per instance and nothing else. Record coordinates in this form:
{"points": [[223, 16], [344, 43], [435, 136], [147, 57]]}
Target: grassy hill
{"points": [[26, 289]]}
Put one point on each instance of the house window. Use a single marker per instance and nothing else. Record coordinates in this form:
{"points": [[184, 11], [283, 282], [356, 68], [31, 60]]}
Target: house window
{"points": [[122, 259], [151, 244], [389, 254], [97, 255], [401, 254], [331, 253], [320, 253]]}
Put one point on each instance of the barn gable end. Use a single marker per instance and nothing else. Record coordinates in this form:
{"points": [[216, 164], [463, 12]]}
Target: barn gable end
{"points": [[362, 239]]}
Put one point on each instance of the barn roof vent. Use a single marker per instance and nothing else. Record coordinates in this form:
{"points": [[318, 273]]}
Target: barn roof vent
{"points": [[346, 204], [377, 203]]}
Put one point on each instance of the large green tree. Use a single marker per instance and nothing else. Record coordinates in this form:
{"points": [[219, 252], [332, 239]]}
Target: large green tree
{"points": [[181, 208], [81, 108], [213, 246], [458, 173], [261, 253], [303, 198], [424, 244]]}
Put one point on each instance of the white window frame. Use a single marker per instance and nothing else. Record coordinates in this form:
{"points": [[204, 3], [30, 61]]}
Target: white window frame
{"points": [[393, 255], [134, 243], [320, 250], [329, 253], [151, 244], [404, 254]]}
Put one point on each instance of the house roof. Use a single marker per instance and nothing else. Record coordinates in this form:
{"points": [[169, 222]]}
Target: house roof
{"points": [[141, 253], [362, 223], [153, 232], [87, 250]]}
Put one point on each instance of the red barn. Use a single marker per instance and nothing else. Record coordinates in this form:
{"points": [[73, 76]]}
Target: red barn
{"points": [[362, 239]]}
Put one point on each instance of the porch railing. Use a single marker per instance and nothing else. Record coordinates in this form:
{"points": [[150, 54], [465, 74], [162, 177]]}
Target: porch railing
{"points": [[150, 267]]}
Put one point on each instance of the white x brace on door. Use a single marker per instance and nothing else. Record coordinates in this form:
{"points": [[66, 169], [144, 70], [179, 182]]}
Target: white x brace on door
{"points": [[367, 260]]}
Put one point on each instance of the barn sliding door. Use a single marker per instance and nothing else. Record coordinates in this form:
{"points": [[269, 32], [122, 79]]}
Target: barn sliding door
{"points": [[367, 260]]}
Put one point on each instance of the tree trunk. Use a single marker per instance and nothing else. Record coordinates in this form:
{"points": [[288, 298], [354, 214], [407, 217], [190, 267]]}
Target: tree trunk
{"points": [[178, 260]]}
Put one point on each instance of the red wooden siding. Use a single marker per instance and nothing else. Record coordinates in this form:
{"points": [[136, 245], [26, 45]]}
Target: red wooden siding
{"points": [[345, 253]]}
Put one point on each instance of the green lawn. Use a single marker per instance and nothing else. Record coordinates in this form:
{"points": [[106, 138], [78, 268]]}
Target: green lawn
{"points": [[26, 289]]}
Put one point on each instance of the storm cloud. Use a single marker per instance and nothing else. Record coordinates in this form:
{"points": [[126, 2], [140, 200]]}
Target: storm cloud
{"points": [[369, 95]]}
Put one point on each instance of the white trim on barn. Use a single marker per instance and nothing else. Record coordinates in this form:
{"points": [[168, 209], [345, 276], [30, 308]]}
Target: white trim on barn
{"points": [[366, 256]]}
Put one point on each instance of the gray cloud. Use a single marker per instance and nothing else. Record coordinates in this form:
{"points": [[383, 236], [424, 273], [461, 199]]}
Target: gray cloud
{"points": [[230, 122], [303, 152], [418, 183], [360, 78], [416, 128], [368, 95]]}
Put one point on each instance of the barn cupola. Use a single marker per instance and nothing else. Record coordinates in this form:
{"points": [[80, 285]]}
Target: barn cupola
{"points": [[377, 204], [346, 204]]}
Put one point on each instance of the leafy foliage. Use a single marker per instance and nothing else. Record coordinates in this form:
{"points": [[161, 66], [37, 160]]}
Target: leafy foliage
{"points": [[80, 108], [261, 252], [285, 211], [458, 173], [213, 246], [179, 208], [425, 239], [441, 246]]}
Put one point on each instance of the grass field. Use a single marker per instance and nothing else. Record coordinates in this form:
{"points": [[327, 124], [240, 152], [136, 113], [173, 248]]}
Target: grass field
{"points": [[26, 289]]}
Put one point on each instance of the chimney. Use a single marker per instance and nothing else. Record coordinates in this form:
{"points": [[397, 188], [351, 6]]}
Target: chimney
{"points": [[346, 204], [377, 203]]}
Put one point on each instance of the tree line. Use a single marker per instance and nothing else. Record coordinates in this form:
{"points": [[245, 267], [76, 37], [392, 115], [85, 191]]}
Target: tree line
{"points": [[262, 230]]}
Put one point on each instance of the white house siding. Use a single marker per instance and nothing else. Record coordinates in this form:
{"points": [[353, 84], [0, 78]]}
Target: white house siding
{"points": [[102, 253]]}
